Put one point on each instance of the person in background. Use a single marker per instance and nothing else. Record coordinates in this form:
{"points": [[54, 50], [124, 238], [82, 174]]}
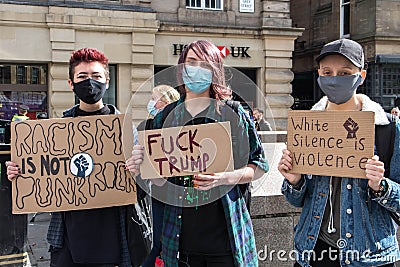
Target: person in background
{"points": [[345, 221], [395, 111], [92, 237], [161, 96], [22, 111], [217, 233], [260, 122]]}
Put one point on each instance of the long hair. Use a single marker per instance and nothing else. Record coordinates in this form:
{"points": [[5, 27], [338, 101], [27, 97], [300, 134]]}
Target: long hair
{"points": [[87, 55], [210, 54]]}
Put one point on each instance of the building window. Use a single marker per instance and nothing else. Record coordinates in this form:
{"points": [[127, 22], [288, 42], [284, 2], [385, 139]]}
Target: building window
{"points": [[205, 4], [23, 84], [111, 93], [21, 75], [344, 18], [5, 74]]}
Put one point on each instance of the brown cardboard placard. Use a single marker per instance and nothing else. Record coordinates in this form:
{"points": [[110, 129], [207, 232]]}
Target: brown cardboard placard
{"points": [[72, 163], [332, 143], [187, 150]]}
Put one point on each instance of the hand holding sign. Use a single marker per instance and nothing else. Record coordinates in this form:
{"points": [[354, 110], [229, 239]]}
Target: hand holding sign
{"points": [[208, 181], [133, 163], [375, 171], [285, 166]]}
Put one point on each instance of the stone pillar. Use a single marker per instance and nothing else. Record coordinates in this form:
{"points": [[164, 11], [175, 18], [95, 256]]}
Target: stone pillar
{"points": [[142, 72], [278, 36], [126, 37], [62, 97]]}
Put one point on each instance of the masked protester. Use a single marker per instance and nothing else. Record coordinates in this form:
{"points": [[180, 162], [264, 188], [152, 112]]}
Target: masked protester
{"points": [[162, 95], [94, 237], [345, 221], [206, 221]]}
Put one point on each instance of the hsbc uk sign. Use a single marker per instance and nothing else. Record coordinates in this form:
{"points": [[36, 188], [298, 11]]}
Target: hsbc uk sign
{"points": [[234, 51]]}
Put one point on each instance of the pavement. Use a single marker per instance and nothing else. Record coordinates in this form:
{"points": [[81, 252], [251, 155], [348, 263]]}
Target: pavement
{"points": [[37, 245]]}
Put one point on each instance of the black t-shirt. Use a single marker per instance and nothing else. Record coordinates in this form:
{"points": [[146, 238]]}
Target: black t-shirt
{"points": [[93, 235], [204, 229]]}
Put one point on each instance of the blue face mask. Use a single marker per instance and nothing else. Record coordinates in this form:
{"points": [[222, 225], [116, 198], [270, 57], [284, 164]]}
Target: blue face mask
{"points": [[196, 78], [151, 108], [339, 89]]}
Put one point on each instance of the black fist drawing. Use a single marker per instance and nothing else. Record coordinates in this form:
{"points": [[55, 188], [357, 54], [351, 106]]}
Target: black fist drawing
{"points": [[351, 128], [82, 165]]}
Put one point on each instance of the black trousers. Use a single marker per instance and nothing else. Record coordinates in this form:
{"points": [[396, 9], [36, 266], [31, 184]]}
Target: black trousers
{"points": [[324, 259], [187, 260], [62, 258]]}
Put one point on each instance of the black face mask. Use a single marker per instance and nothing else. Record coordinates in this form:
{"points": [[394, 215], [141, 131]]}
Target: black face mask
{"points": [[90, 91]]}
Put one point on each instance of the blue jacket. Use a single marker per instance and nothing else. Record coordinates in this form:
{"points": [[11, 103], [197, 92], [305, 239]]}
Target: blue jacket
{"points": [[367, 232]]}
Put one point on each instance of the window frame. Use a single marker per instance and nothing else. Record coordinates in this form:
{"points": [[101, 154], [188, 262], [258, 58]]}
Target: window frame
{"points": [[203, 5], [345, 5]]}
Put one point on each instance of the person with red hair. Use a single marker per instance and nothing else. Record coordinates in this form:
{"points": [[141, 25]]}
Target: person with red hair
{"points": [[93, 237], [206, 221]]}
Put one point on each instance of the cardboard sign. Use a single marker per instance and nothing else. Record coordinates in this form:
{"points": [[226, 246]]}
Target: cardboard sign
{"points": [[332, 143], [72, 163], [187, 150]]}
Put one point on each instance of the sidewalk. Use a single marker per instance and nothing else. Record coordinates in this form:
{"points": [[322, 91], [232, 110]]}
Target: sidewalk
{"points": [[37, 244]]}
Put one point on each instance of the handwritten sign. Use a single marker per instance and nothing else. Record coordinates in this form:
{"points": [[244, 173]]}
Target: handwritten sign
{"points": [[187, 150], [72, 163], [333, 143]]}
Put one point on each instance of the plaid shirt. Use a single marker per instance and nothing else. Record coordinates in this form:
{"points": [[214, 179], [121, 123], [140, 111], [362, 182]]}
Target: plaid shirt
{"points": [[238, 220]]}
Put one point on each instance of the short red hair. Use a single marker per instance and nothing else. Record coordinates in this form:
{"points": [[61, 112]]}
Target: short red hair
{"points": [[87, 55]]}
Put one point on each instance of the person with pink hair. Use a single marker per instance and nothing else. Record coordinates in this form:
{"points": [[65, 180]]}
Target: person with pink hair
{"points": [[216, 230]]}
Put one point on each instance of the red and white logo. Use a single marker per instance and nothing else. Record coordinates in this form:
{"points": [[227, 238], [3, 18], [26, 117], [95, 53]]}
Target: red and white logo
{"points": [[224, 51]]}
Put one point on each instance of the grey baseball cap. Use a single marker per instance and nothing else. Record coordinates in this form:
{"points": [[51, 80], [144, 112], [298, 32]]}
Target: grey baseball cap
{"points": [[350, 49]]}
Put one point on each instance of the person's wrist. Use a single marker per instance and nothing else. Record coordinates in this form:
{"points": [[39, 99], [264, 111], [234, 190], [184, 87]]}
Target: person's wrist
{"points": [[380, 189], [374, 185], [296, 184], [233, 177]]}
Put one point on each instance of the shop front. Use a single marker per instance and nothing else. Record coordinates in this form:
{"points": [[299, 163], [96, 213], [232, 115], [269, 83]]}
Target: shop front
{"points": [[23, 84], [243, 59]]}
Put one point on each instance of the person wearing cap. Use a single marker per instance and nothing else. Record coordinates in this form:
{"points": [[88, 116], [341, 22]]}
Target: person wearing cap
{"points": [[345, 221], [21, 116]]}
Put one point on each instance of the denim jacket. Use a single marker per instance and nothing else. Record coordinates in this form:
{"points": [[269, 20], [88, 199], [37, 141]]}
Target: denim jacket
{"points": [[367, 232]]}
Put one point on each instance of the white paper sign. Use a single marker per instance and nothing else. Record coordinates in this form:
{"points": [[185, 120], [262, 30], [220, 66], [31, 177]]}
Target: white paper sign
{"points": [[246, 6]]}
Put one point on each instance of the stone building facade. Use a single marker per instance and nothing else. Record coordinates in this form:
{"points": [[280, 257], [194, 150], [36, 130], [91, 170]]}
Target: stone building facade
{"points": [[141, 38], [374, 24]]}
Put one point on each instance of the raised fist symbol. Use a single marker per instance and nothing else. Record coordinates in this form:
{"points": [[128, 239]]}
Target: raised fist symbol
{"points": [[351, 128], [82, 165]]}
